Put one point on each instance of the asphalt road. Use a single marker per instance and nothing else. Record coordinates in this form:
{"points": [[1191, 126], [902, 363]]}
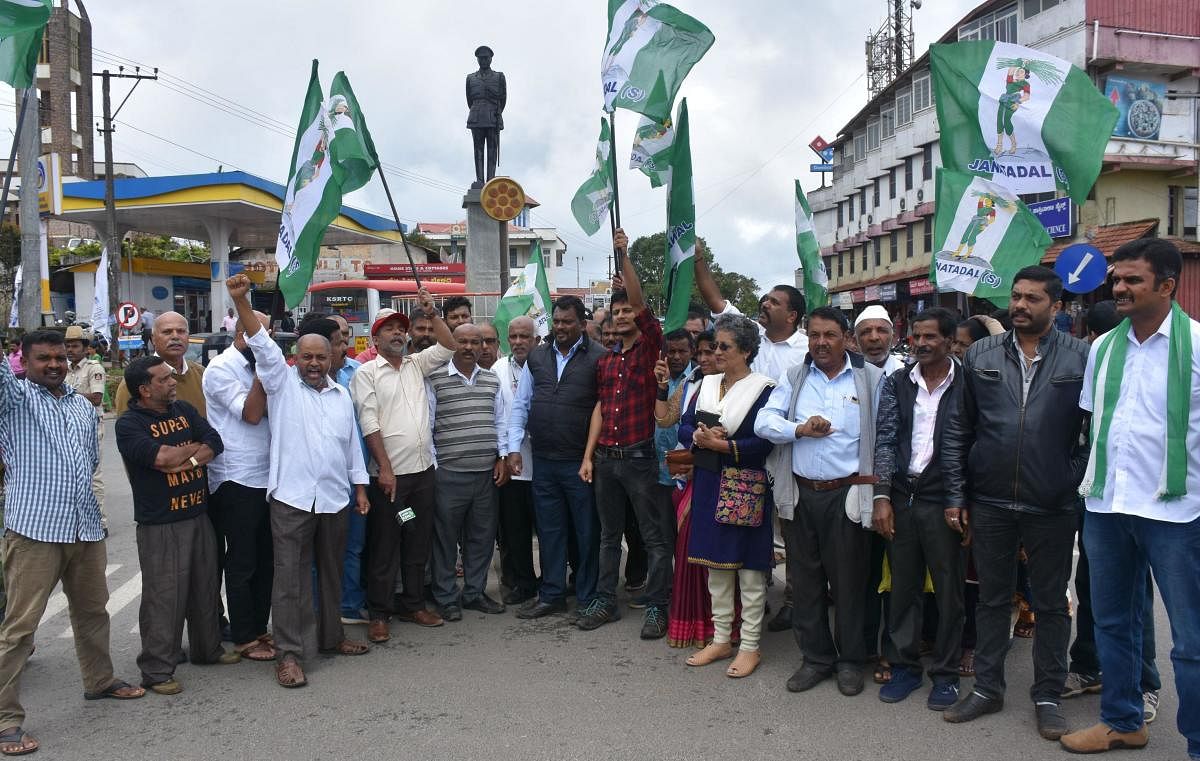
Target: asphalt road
{"points": [[498, 688]]}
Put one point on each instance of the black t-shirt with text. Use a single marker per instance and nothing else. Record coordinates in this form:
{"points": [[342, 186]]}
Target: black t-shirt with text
{"points": [[164, 497]]}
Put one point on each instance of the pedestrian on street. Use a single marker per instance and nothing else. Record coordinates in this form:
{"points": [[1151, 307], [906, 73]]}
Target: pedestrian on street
{"points": [[822, 417], [89, 378], [1142, 490], [1012, 461], [315, 462], [169, 340], [166, 446], [53, 529]]}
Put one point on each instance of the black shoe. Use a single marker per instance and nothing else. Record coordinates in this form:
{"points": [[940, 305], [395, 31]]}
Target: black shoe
{"points": [[451, 613], [850, 680], [598, 613], [537, 608], [782, 620], [972, 707], [635, 585], [484, 604], [807, 677], [655, 624], [518, 596], [1051, 724]]}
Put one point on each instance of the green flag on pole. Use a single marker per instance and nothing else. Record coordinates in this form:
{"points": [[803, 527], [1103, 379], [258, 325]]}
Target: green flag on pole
{"points": [[22, 23], [679, 273], [528, 296], [591, 202], [652, 144], [816, 279], [1024, 119], [650, 49], [983, 235], [333, 155]]}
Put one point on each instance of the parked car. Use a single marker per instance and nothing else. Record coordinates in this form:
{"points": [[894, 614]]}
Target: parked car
{"points": [[202, 347]]}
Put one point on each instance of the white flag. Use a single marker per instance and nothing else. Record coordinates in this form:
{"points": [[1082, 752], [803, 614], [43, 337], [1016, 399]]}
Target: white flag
{"points": [[14, 314], [100, 295]]}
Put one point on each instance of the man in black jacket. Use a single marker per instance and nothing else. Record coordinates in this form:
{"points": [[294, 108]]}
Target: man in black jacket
{"points": [[554, 400], [908, 512], [1016, 439]]}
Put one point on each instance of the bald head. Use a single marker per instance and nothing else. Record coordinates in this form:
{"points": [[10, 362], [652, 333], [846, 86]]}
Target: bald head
{"points": [[314, 354], [170, 338], [490, 350], [469, 342]]}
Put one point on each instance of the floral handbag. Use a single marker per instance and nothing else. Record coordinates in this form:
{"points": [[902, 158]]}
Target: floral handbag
{"points": [[742, 496]]}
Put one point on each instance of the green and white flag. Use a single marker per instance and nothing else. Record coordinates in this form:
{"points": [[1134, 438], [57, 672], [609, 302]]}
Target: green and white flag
{"points": [[816, 279], [528, 296], [333, 155], [591, 202], [679, 273], [652, 143], [1026, 120], [651, 47], [983, 235], [22, 23]]}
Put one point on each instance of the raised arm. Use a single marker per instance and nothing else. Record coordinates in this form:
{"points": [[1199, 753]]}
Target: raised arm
{"points": [[705, 283], [270, 364], [633, 286]]}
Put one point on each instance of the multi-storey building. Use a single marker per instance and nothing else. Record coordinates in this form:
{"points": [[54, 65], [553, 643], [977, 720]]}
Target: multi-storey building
{"points": [[875, 223]]}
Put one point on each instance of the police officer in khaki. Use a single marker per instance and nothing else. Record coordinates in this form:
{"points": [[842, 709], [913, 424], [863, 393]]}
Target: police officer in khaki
{"points": [[87, 377]]}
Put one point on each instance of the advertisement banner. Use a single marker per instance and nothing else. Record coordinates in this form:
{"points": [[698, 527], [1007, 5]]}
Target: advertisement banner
{"points": [[1139, 104]]}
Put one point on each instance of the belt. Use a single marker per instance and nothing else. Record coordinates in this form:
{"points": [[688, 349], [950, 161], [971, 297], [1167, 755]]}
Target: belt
{"points": [[642, 450], [837, 483]]}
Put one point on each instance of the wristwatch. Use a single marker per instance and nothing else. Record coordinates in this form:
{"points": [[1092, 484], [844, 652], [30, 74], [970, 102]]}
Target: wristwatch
{"points": [[194, 461]]}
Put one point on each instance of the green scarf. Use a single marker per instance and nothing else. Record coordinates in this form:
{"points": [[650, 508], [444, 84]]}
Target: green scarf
{"points": [[1108, 372]]}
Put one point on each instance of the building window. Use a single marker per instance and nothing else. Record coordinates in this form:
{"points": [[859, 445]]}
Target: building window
{"points": [[922, 92], [1000, 26], [847, 151], [878, 251], [892, 182], [841, 220], [74, 47], [558, 257], [927, 161], [908, 173], [1034, 7], [875, 194], [860, 146], [852, 265], [887, 121], [864, 254], [841, 264], [894, 254], [927, 234], [908, 241], [1190, 211], [850, 203], [829, 265], [44, 56], [873, 135], [904, 107], [862, 203]]}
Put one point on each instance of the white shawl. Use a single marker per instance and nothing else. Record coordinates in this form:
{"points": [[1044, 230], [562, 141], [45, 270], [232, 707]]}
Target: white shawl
{"points": [[738, 399]]}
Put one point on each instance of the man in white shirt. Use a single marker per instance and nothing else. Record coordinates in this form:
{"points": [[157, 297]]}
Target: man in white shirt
{"points": [[1142, 489], [876, 335], [516, 496], [315, 458], [392, 402], [909, 498], [237, 478]]}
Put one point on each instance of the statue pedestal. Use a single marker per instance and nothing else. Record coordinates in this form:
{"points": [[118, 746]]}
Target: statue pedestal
{"points": [[487, 248]]}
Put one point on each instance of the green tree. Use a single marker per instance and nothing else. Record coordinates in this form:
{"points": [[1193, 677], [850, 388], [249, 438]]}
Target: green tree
{"points": [[10, 246], [648, 254]]}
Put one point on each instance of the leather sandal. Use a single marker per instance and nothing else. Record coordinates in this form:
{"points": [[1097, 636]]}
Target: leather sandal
{"points": [[289, 674], [711, 652], [744, 664]]}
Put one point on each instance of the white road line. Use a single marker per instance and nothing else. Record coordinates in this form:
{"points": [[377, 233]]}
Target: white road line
{"points": [[124, 594], [58, 601]]}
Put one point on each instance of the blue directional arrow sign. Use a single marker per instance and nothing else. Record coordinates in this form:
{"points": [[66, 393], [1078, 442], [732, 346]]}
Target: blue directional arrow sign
{"points": [[1082, 268]]}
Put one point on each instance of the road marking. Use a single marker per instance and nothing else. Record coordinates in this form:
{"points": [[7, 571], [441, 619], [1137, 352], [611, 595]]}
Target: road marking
{"points": [[58, 601], [125, 594]]}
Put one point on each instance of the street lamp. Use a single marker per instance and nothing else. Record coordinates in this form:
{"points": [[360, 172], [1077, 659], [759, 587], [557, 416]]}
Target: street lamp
{"points": [[578, 259]]}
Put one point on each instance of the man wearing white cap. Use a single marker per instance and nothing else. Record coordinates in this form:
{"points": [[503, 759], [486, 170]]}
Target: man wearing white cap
{"points": [[391, 397], [875, 335]]}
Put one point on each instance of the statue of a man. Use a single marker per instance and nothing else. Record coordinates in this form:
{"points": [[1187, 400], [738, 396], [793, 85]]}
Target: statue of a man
{"points": [[486, 94]]}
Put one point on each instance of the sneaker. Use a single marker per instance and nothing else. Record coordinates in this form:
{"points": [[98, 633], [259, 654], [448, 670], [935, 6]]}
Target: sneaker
{"points": [[942, 696], [639, 602], [655, 625], [903, 683], [350, 617], [1149, 705], [597, 613], [1078, 684]]}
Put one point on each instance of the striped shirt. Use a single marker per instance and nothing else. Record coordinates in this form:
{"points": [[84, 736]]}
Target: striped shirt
{"points": [[469, 431], [49, 446]]}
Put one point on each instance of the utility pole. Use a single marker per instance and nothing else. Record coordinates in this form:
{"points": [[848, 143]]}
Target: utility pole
{"points": [[31, 236], [577, 260], [111, 240]]}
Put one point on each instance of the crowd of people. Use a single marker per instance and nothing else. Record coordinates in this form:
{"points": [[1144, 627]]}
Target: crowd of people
{"points": [[911, 501]]}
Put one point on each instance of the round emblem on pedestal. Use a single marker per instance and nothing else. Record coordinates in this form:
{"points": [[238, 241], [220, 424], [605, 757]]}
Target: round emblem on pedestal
{"points": [[502, 198]]}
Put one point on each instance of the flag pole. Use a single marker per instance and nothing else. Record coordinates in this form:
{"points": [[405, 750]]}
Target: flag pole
{"points": [[12, 156], [399, 227], [614, 216]]}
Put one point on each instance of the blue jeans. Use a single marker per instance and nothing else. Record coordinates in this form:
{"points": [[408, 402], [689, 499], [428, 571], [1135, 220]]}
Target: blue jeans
{"points": [[354, 595], [1122, 549], [557, 491]]}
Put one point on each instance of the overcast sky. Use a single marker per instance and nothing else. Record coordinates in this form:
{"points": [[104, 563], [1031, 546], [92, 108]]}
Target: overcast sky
{"points": [[780, 73]]}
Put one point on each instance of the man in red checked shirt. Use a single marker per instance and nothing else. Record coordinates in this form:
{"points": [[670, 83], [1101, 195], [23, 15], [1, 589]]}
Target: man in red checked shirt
{"points": [[620, 454]]}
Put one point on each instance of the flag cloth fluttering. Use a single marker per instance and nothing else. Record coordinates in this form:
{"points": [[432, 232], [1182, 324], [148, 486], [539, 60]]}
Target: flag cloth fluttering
{"points": [[22, 23], [528, 296], [652, 145], [816, 279], [591, 203], [679, 272]]}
